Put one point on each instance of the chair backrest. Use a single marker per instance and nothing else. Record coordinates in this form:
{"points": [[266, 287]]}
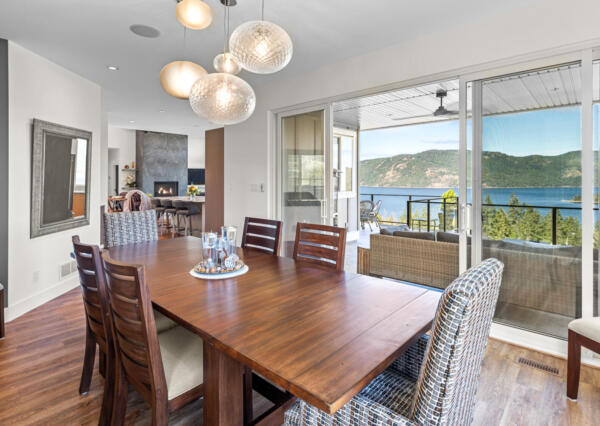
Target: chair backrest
{"points": [[128, 227], [376, 208], [365, 207], [93, 290], [447, 385], [166, 203], [155, 202], [320, 244], [262, 234], [136, 340]]}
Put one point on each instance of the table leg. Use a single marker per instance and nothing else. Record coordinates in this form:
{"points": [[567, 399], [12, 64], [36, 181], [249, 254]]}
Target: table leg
{"points": [[223, 388]]}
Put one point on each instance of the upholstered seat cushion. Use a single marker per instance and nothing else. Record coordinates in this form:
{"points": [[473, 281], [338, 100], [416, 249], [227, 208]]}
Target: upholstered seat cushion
{"points": [[162, 322], [182, 356], [588, 327], [385, 401]]}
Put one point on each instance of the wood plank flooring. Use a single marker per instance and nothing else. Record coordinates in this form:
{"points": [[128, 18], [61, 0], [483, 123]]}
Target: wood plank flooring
{"points": [[41, 358]]}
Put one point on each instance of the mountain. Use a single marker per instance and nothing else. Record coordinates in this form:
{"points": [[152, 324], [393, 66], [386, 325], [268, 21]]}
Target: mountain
{"points": [[439, 169]]}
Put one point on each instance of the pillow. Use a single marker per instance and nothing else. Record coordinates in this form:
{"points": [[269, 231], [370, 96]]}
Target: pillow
{"points": [[447, 237], [429, 236], [389, 230]]}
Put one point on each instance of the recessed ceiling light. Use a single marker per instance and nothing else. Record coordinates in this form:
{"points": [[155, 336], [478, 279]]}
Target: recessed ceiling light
{"points": [[131, 121], [161, 110], [112, 67], [144, 31]]}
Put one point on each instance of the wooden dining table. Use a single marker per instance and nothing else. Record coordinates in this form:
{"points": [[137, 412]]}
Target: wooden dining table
{"points": [[318, 334]]}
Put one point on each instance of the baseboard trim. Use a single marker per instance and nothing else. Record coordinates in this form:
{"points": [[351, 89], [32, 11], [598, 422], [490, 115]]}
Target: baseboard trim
{"points": [[38, 299], [539, 343]]}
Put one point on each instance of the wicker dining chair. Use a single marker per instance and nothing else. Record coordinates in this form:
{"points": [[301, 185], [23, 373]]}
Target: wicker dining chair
{"points": [[435, 381], [320, 244], [166, 369], [262, 234], [122, 228]]}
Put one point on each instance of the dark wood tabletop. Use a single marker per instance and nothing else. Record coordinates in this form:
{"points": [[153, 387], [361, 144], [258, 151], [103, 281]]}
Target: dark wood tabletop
{"points": [[319, 334]]}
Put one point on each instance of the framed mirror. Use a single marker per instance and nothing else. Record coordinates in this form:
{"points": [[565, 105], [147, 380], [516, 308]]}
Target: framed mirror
{"points": [[60, 178]]}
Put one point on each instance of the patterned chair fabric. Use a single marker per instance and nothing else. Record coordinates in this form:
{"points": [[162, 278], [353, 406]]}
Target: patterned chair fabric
{"points": [[435, 381], [129, 227]]}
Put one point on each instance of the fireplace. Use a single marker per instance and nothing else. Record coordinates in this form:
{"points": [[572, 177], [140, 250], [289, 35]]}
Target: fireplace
{"points": [[166, 189]]}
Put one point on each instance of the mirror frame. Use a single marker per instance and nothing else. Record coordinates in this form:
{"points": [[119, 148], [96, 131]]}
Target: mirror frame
{"points": [[39, 132]]}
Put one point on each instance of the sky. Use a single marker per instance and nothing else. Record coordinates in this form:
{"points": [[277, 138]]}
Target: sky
{"points": [[546, 132]]}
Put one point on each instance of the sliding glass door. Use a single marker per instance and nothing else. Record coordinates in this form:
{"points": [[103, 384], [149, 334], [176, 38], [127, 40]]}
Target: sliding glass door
{"points": [[528, 188], [304, 172]]}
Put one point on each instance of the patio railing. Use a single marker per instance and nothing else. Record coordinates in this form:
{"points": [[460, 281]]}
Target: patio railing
{"points": [[449, 209]]}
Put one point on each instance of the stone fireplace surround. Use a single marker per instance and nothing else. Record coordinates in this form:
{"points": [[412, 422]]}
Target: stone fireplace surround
{"points": [[161, 157]]}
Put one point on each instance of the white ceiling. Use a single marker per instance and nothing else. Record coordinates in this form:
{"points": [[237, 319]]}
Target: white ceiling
{"points": [[87, 35]]}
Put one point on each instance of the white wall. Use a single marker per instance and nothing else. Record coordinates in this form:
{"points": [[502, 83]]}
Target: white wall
{"points": [[124, 141], [41, 89], [196, 152], [521, 31]]}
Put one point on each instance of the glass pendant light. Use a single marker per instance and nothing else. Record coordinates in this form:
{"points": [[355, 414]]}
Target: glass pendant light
{"points": [[225, 62], [261, 47], [194, 14], [178, 77], [222, 98]]}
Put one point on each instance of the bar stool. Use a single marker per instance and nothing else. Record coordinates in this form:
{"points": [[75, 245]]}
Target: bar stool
{"points": [[191, 209], [170, 212], [180, 211], [156, 205]]}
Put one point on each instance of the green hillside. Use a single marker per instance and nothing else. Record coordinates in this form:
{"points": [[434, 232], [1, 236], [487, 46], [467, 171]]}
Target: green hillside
{"points": [[439, 169]]}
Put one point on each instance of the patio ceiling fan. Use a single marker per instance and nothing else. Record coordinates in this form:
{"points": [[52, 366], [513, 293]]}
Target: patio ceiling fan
{"points": [[441, 111]]}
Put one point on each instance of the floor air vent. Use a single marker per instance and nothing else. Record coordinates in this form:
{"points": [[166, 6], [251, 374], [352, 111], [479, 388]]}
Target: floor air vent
{"points": [[538, 365]]}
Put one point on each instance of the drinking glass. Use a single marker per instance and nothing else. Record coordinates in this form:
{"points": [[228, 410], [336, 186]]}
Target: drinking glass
{"points": [[209, 241], [231, 239]]}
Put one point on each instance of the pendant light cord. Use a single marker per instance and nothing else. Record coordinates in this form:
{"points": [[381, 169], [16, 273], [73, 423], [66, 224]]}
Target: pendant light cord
{"points": [[184, 41], [263, 10], [225, 29]]}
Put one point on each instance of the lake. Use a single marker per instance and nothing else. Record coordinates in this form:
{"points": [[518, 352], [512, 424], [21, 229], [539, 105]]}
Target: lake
{"points": [[394, 199]]}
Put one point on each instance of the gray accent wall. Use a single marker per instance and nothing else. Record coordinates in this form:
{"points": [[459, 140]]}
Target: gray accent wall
{"points": [[161, 157], [4, 167]]}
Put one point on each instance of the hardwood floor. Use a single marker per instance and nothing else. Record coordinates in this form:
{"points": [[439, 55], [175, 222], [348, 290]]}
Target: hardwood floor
{"points": [[42, 354], [40, 367]]}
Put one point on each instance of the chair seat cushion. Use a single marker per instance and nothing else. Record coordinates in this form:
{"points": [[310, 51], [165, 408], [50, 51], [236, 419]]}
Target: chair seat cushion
{"points": [[162, 322], [392, 390], [588, 327], [385, 401], [182, 358]]}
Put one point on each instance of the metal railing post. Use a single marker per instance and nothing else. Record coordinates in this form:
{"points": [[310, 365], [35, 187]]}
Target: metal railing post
{"points": [[408, 211], [428, 215], [554, 220], [444, 213]]}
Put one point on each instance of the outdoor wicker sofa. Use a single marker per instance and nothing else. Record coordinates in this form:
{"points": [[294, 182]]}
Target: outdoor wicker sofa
{"points": [[536, 276]]}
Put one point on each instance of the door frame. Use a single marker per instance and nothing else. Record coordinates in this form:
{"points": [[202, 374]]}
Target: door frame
{"points": [[585, 57], [327, 141]]}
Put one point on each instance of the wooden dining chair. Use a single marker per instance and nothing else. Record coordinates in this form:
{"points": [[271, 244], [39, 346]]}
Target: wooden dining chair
{"points": [[582, 332], [166, 369], [98, 330], [320, 244], [262, 234]]}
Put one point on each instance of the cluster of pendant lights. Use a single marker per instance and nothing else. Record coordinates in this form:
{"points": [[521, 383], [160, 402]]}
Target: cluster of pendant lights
{"points": [[222, 97]]}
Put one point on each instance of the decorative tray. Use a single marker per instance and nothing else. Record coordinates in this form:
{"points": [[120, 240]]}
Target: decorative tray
{"points": [[240, 269]]}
